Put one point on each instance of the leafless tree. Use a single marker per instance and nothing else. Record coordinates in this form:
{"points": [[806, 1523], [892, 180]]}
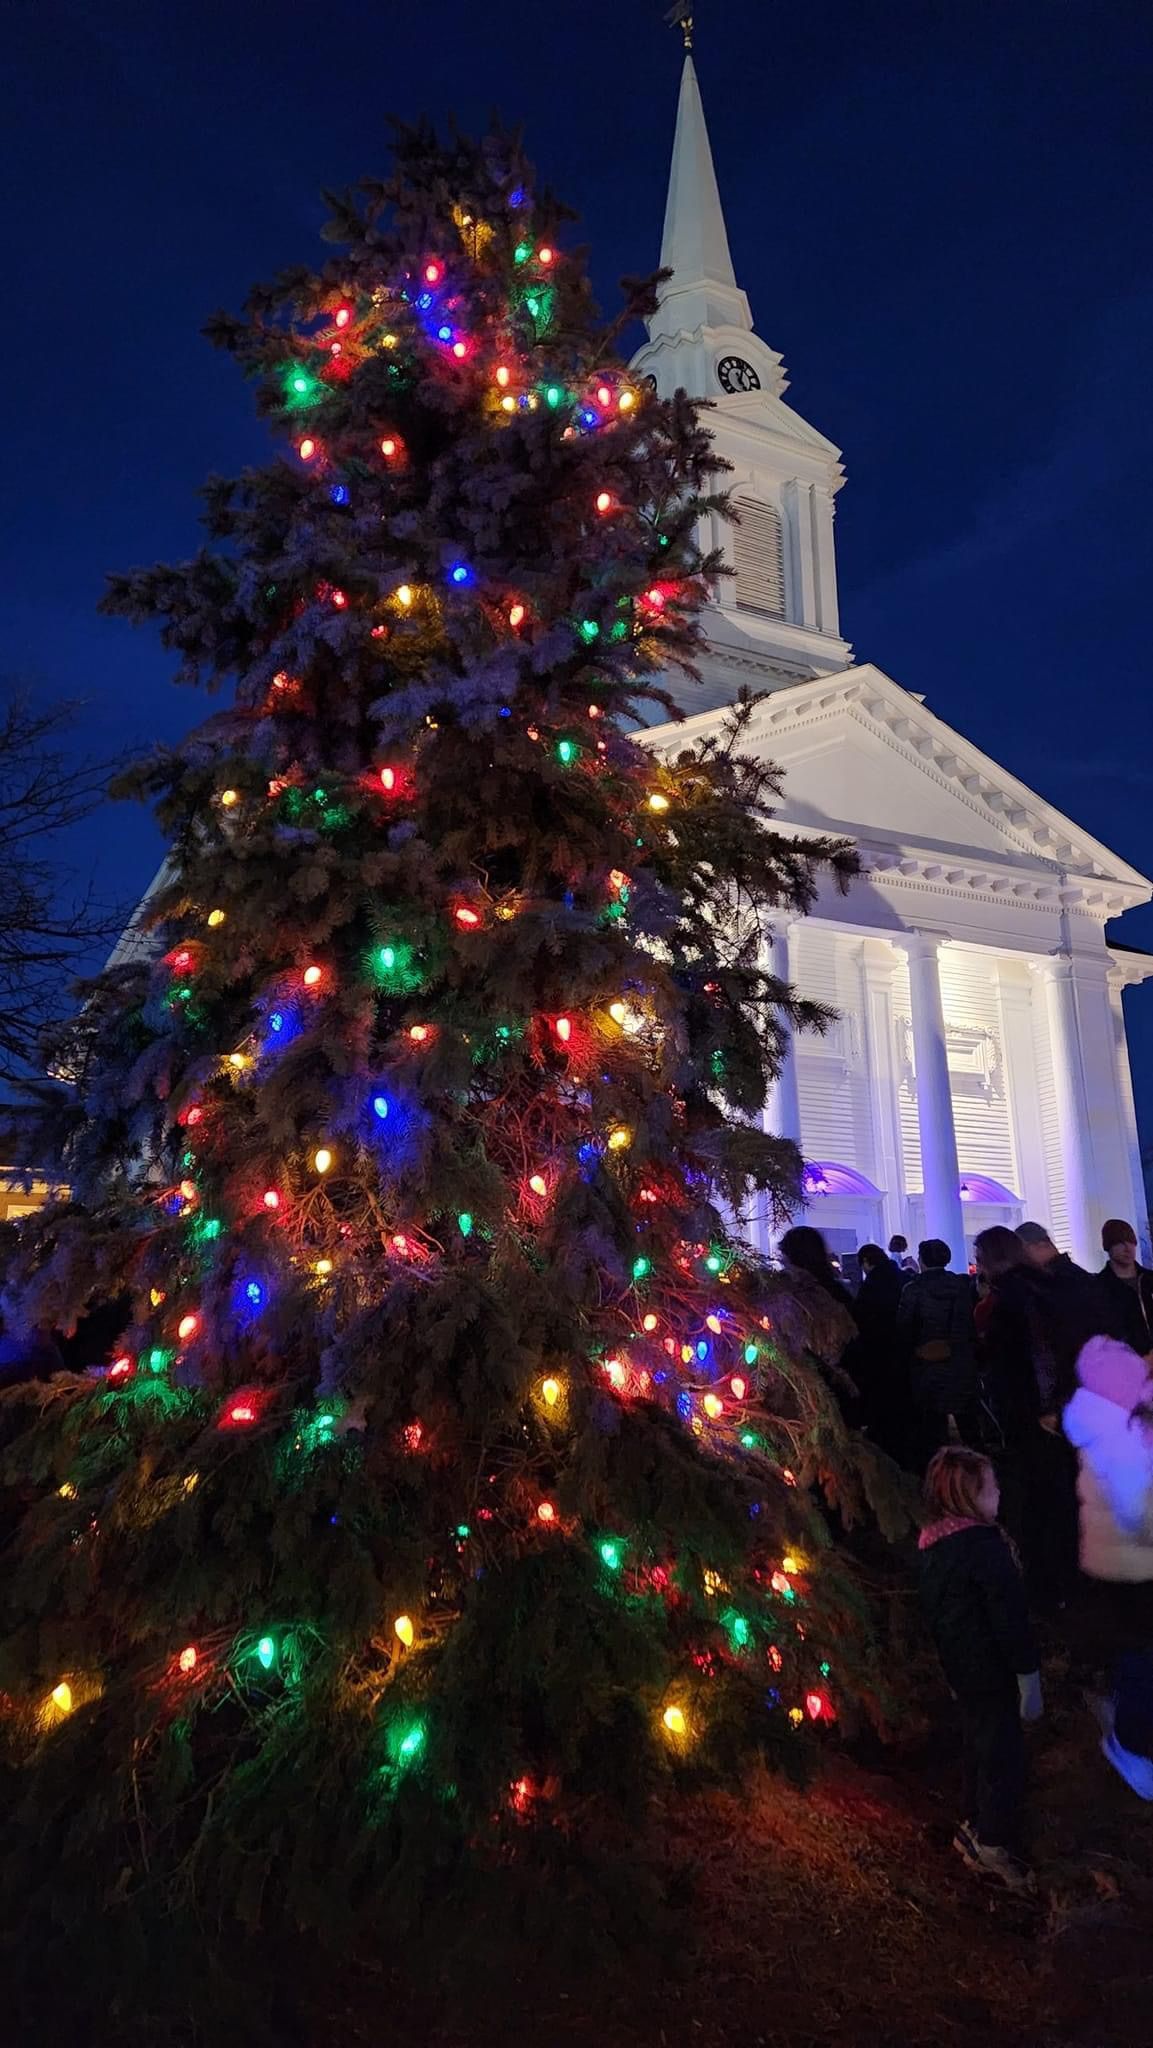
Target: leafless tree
{"points": [[49, 918]]}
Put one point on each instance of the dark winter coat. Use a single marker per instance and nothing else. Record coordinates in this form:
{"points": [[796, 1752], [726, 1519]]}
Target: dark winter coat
{"points": [[973, 1598], [1031, 1336], [936, 1314], [1128, 1311]]}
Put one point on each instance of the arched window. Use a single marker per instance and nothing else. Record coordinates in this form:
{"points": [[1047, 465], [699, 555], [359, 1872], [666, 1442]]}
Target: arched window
{"points": [[759, 557]]}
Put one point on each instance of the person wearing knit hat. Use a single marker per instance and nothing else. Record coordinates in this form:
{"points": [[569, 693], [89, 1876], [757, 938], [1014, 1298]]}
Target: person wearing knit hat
{"points": [[1127, 1286]]}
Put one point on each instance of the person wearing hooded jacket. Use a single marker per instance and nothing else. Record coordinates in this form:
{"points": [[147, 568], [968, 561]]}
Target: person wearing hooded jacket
{"points": [[1109, 1422]]}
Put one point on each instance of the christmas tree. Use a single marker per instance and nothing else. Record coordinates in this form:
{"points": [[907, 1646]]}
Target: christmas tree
{"points": [[459, 1471]]}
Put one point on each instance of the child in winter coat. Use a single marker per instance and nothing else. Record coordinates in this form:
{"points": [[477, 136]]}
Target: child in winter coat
{"points": [[1109, 1421], [974, 1599]]}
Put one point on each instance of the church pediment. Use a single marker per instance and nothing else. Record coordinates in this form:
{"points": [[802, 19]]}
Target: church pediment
{"points": [[863, 757]]}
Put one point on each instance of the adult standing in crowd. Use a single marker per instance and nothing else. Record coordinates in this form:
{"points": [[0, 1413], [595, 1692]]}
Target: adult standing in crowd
{"points": [[1127, 1287], [876, 1359], [1043, 1309], [935, 1321], [900, 1254]]}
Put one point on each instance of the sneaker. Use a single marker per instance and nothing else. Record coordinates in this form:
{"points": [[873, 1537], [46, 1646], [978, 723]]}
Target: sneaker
{"points": [[990, 1861]]}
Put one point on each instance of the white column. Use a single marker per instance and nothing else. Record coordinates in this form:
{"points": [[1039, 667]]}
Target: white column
{"points": [[1016, 988], [796, 502], [826, 567], [783, 1109], [1129, 1112], [1089, 1112], [944, 1216], [877, 965]]}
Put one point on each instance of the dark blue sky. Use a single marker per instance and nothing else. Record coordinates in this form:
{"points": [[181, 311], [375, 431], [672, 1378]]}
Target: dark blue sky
{"points": [[940, 213]]}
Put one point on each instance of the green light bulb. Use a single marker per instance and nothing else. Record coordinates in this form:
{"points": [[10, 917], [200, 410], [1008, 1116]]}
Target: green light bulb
{"points": [[266, 1651], [610, 1551], [641, 1267], [463, 1532], [522, 252], [749, 1441], [740, 1629], [589, 630], [533, 304], [566, 751], [553, 395], [751, 1354], [464, 1223], [413, 1742], [713, 1263], [388, 957]]}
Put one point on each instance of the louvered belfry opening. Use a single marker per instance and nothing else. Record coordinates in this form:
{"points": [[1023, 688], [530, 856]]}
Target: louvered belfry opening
{"points": [[759, 557]]}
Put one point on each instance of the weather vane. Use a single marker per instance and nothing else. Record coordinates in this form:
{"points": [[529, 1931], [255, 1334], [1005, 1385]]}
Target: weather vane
{"points": [[681, 15]]}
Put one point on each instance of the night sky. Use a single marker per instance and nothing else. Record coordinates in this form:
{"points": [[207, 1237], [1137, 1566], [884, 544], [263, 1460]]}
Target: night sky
{"points": [[940, 214]]}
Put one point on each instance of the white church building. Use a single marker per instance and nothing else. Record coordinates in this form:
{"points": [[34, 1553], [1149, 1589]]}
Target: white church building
{"points": [[978, 1070]]}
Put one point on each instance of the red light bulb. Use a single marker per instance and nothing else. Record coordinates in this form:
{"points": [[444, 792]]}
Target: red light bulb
{"points": [[271, 1198], [187, 1328], [546, 1512], [343, 316], [655, 598], [604, 501], [460, 350], [466, 917], [307, 449], [388, 446], [564, 1029], [516, 615], [604, 395], [432, 273], [388, 779], [120, 1368], [242, 1411], [339, 600], [187, 1658], [194, 1116], [418, 1033]]}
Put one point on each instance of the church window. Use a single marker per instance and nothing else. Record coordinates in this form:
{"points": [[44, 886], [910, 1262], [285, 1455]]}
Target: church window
{"points": [[759, 558]]}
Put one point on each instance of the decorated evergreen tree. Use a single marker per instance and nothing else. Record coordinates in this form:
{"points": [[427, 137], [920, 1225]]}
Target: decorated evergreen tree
{"points": [[459, 1473]]}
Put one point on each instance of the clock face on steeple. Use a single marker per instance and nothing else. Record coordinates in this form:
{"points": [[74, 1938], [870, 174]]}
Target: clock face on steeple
{"points": [[734, 374]]}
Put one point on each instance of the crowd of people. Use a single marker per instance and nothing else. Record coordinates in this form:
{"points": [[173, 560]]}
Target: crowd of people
{"points": [[1022, 1391]]}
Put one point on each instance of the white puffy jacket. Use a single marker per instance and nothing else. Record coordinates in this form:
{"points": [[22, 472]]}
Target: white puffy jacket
{"points": [[1114, 1487]]}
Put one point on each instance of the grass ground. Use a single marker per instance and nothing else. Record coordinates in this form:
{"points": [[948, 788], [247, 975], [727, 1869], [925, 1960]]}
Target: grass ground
{"points": [[841, 1914]]}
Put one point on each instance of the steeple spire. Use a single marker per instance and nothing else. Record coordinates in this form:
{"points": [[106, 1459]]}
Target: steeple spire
{"points": [[703, 290]]}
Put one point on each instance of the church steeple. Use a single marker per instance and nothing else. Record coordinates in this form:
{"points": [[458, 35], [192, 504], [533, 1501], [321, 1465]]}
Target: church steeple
{"points": [[703, 288], [774, 620]]}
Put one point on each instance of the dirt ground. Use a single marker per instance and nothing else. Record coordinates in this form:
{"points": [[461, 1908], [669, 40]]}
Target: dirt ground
{"points": [[841, 1914]]}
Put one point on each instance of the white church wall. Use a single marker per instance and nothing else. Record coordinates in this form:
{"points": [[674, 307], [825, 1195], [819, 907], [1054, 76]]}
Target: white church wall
{"points": [[977, 1076]]}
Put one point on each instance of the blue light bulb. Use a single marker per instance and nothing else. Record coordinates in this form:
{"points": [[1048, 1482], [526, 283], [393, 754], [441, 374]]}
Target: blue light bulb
{"points": [[276, 1021], [444, 333], [380, 1105], [461, 573], [255, 1293], [340, 494]]}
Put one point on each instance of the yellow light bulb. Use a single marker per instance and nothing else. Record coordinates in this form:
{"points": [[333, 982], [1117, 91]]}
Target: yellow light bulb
{"points": [[620, 1139], [626, 401], [67, 1491], [712, 1406], [403, 1629], [228, 797], [714, 1324], [62, 1697], [322, 1159], [237, 1060], [791, 1564], [674, 1721], [215, 917], [618, 1012], [550, 1392], [404, 595], [323, 1268], [658, 802], [796, 1716], [191, 1482], [508, 402]]}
